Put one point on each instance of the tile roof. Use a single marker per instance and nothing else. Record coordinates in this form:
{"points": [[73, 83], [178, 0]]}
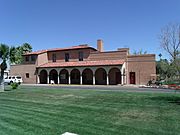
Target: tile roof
{"points": [[83, 63], [61, 49]]}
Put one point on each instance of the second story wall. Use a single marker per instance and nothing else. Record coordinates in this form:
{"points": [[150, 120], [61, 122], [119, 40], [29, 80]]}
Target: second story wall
{"points": [[42, 59], [111, 55], [29, 59], [59, 56]]}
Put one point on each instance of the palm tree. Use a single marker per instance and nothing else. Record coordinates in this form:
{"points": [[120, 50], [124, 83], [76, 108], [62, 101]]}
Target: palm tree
{"points": [[7, 54]]}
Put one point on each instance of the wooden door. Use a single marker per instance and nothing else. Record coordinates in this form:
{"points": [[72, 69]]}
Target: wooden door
{"points": [[132, 78]]}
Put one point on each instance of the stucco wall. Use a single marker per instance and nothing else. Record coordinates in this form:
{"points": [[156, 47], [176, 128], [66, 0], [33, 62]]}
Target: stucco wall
{"points": [[42, 59], [143, 66], [22, 69], [73, 55], [114, 55]]}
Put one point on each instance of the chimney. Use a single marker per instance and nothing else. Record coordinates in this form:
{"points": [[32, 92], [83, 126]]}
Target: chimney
{"points": [[100, 45]]}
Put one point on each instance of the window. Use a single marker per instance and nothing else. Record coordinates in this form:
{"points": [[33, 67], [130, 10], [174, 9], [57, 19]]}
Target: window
{"points": [[80, 56], [54, 57], [66, 57], [27, 75], [33, 57], [27, 58]]}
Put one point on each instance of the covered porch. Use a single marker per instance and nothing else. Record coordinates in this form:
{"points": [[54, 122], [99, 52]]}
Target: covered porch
{"points": [[108, 74]]}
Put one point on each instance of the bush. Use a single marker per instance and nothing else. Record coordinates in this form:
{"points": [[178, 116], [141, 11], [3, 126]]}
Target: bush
{"points": [[171, 82], [14, 85]]}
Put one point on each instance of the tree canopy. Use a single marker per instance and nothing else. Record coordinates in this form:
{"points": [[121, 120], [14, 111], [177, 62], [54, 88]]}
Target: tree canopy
{"points": [[139, 52], [20, 50], [7, 55], [170, 42]]}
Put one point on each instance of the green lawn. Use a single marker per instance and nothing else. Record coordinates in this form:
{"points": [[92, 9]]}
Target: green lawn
{"points": [[38, 111]]}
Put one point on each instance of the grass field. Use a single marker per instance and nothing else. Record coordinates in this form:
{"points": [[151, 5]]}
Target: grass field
{"points": [[38, 111]]}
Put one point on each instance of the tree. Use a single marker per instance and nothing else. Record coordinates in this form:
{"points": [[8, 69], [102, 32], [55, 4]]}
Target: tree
{"points": [[160, 55], [162, 68], [26, 48], [7, 55], [20, 50], [165, 69], [140, 52], [170, 42]]}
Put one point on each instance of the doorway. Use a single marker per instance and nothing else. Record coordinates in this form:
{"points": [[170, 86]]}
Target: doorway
{"points": [[132, 77]]}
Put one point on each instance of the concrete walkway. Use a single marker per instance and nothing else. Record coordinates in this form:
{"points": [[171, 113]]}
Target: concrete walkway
{"points": [[129, 88]]}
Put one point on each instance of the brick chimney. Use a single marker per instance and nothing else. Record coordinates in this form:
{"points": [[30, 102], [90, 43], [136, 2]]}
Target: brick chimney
{"points": [[100, 45]]}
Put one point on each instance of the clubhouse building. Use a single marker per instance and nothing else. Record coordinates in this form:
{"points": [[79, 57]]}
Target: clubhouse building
{"points": [[85, 65]]}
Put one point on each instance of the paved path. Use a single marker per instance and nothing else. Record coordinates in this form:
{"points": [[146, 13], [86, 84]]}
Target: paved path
{"points": [[104, 87]]}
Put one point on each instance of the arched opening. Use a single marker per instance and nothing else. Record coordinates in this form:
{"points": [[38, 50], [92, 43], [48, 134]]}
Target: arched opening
{"points": [[101, 76], [64, 76], [43, 77], [87, 76], [53, 76], [114, 76], [75, 76]]}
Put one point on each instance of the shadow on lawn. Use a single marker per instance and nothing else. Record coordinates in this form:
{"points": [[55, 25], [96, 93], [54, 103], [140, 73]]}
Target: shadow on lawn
{"points": [[7, 89], [169, 99]]}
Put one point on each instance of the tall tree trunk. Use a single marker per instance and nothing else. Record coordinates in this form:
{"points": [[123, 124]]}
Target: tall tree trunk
{"points": [[2, 81]]}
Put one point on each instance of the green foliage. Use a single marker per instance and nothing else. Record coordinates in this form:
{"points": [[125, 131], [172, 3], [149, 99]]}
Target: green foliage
{"points": [[14, 85], [170, 42], [176, 64], [171, 82], [7, 52], [20, 50], [12, 54], [162, 68], [140, 52], [166, 70], [4, 51], [7, 55]]}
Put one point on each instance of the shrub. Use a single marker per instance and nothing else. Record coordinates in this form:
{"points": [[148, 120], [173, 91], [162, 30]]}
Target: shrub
{"points": [[171, 82], [14, 85]]}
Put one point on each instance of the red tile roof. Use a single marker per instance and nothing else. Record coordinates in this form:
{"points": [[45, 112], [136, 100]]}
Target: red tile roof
{"points": [[83, 63], [61, 49]]}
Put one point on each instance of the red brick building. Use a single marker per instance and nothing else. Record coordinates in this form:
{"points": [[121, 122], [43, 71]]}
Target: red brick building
{"points": [[83, 64]]}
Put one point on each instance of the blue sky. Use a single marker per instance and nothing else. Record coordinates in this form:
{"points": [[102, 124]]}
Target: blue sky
{"points": [[61, 23]]}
